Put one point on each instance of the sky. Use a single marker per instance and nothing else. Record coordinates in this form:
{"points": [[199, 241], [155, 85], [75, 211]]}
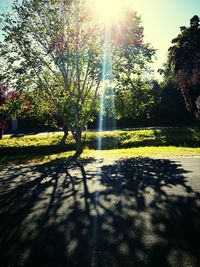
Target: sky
{"points": [[161, 20]]}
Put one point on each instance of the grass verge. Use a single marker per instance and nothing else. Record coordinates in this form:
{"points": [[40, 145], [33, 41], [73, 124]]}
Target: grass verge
{"points": [[48, 143], [45, 147], [153, 152]]}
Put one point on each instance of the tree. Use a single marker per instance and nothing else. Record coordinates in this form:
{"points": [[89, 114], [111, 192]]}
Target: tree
{"points": [[184, 63], [131, 69], [139, 100], [3, 96], [171, 109], [54, 46], [40, 107], [11, 105]]}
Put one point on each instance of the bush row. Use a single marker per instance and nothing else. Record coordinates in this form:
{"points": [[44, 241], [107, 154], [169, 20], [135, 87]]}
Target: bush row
{"points": [[49, 144]]}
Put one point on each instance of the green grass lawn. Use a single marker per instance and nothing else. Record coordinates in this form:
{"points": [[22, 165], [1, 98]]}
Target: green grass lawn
{"points": [[111, 139], [153, 152], [137, 143]]}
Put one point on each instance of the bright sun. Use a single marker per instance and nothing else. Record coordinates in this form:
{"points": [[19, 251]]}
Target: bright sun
{"points": [[108, 11]]}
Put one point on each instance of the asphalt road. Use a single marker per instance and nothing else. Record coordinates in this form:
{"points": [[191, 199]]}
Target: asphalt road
{"points": [[105, 213]]}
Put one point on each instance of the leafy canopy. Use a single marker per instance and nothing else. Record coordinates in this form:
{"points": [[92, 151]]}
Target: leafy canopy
{"points": [[184, 62]]}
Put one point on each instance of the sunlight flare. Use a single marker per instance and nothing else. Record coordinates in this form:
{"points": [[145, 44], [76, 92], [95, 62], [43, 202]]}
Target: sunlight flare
{"points": [[108, 11]]}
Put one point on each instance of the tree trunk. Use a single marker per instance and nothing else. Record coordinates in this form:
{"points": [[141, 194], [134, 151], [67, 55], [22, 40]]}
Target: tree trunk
{"points": [[79, 145], [66, 131]]}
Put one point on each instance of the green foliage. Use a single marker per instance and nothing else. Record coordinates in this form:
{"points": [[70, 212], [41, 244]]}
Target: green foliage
{"points": [[41, 107], [139, 100], [54, 46], [171, 107], [131, 58], [184, 63], [11, 105]]}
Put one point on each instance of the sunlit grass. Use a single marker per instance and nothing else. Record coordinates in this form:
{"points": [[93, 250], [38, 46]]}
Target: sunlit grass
{"points": [[125, 139], [153, 152], [32, 159], [138, 143]]}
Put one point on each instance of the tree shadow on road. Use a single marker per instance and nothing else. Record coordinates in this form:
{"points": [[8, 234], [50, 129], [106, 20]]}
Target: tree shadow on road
{"points": [[132, 212]]}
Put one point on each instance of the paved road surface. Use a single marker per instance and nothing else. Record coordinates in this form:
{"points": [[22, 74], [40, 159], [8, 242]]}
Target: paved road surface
{"points": [[105, 213]]}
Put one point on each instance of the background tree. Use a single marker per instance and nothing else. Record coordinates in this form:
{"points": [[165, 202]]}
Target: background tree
{"points": [[51, 45], [184, 62], [131, 69], [11, 106], [171, 109], [139, 101], [3, 117], [42, 109]]}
